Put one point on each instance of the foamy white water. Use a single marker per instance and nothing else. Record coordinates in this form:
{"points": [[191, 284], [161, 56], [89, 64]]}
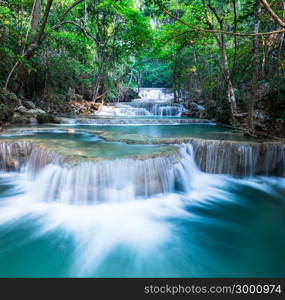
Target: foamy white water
{"points": [[156, 94], [124, 209]]}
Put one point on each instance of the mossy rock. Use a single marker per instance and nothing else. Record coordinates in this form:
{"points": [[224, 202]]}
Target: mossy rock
{"points": [[20, 119], [45, 118], [8, 102]]}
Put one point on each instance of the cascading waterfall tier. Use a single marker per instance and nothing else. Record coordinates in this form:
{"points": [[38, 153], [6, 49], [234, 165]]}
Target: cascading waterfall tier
{"points": [[153, 102], [15, 154], [40, 158], [245, 159], [158, 109], [141, 108], [119, 180], [211, 156], [122, 180], [157, 94]]}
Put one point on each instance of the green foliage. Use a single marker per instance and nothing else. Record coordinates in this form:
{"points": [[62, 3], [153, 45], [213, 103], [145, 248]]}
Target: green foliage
{"points": [[106, 45]]}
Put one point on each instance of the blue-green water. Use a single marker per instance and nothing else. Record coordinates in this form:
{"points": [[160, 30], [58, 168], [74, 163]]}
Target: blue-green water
{"points": [[205, 225], [230, 227], [205, 131], [85, 144]]}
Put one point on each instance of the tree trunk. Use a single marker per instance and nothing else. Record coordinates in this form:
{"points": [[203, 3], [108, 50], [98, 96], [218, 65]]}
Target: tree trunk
{"points": [[225, 64], [18, 69], [34, 44], [230, 90], [35, 19], [255, 66]]}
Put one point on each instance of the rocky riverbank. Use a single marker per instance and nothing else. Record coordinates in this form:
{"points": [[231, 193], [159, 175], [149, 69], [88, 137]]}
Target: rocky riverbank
{"points": [[18, 110]]}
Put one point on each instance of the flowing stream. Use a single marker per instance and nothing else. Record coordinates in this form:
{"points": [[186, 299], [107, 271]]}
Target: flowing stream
{"points": [[89, 200]]}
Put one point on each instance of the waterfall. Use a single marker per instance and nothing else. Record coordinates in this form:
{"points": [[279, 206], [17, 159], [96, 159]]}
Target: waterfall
{"points": [[17, 154], [122, 180], [219, 157], [142, 108], [120, 109], [242, 159], [159, 108], [118, 180], [157, 94], [39, 158], [14, 154], [153, 102]]}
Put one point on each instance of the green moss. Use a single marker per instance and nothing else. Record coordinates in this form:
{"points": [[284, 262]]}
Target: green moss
{"points": [[20, 119], [45, 118]]}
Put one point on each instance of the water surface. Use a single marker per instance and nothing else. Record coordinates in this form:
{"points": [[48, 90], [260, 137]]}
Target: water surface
{"points": [[204, 131], [230, 227], [85, 144]]}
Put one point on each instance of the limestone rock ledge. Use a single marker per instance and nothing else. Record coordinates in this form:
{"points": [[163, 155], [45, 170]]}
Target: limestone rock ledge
{"points": [[244, 159], [211, 156]]}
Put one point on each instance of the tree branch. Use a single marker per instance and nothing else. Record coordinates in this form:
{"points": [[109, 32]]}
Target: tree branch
{"points": [[44, 22], [212, 30], [69, 9], [87, 34], [272, 13]]}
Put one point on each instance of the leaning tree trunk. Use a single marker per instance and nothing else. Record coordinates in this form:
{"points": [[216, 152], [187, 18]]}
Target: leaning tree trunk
{"points": [[35, 41], [249, 130]]}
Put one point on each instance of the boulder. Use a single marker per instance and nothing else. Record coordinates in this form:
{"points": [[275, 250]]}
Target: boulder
{"points": [[77, 98], [127, 95], [8, 102], [21, 109], [21, 119], [260, 115], [194, 107], [194, 110], [22, 115], [191, 114], [263, 90], [29, 104], [35, 112], [45, 118], [31, 112]]}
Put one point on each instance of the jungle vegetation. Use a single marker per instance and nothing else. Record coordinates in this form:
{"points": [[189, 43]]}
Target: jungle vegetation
{"points": [[230, 53]]}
